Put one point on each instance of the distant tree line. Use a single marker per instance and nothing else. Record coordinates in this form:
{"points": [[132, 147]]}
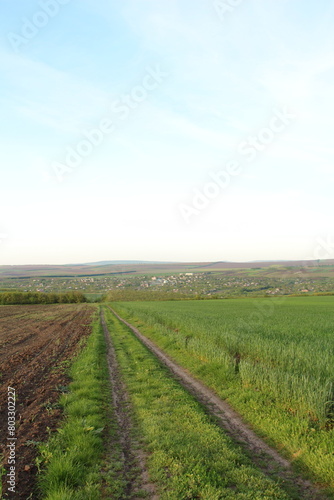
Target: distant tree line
{"points": [[15, 298]]}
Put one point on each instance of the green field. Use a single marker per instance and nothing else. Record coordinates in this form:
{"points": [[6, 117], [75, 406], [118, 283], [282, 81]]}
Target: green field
{"points": [[273, 359], [130, 427], [189, 455]]}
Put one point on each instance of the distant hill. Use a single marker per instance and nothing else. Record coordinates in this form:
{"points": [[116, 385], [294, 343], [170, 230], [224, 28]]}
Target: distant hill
{"points": [[141, 267], [120, 262]]}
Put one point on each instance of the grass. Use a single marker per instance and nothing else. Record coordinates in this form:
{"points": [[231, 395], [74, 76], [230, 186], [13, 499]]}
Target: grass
{"points": [[3, 473], [93, 297], [189, 455], [271, 358], [71, 461]]}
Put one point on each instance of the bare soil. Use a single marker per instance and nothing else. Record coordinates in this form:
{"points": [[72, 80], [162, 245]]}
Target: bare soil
{"points": [[264, 457], [37, 342]]}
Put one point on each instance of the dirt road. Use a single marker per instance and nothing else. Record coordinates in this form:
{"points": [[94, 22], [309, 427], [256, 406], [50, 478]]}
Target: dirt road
{"points": [[133, 458]]}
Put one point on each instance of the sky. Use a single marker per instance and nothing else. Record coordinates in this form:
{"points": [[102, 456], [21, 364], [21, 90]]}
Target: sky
{"points": [[171, 130]]}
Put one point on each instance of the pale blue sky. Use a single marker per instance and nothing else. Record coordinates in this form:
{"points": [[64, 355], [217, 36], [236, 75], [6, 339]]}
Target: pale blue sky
{"points": [[220, 80]]}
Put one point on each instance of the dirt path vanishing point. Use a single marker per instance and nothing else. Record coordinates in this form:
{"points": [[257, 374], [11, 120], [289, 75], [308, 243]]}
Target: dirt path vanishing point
{"points": [[132, 457], [264, 457]]}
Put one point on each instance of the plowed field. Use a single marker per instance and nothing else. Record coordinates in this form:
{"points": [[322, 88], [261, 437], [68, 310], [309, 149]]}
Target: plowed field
{"points": [[36, 344]]}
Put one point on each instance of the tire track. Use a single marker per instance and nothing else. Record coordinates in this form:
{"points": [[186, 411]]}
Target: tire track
{"points": [[132, 457], [265, 457]]}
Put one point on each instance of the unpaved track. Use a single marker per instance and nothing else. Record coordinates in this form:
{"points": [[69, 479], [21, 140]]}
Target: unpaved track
{"points": [[265, 457], [132, 457]]}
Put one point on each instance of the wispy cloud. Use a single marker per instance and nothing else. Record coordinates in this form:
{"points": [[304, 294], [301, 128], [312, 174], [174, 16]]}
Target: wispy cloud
{"points": [[48, 95], [225, 78]]}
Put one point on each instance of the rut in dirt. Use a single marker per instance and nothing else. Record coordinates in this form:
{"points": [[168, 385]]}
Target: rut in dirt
{"points": [[267, 459], [132, 456]]}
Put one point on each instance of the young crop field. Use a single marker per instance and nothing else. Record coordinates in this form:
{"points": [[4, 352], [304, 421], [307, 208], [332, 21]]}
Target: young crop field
{"points": [[272, 359], [188, 455], [172, 400]]}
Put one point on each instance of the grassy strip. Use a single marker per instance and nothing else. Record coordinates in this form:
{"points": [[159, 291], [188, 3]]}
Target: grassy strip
{"points": [[310, 447], [74, 457], [190, 456]]}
